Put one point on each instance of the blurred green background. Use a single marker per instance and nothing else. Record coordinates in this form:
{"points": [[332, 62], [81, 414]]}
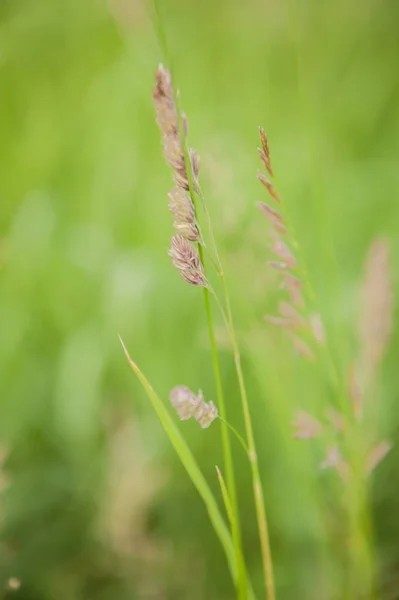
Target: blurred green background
{"points": [[95, 504]]}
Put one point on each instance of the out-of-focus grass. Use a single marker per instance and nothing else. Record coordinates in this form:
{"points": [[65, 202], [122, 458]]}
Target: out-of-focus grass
{"points": [[84, 230]]}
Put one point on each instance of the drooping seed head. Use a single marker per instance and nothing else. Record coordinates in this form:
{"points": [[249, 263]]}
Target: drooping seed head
{"points": [[206, 414], [184, 401], [188, 405]]}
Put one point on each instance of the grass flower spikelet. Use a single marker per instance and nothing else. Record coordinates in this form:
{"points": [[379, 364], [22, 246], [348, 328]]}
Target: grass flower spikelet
{"points": [[189, 405]]}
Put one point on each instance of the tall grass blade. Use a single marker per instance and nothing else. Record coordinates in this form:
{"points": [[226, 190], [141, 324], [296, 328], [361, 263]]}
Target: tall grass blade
{"points": [[194, 472]]}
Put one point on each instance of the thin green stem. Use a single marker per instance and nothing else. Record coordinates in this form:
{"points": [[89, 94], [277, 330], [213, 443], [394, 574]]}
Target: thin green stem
{"points": [[256, 481], [227, 453], [235, 432]]}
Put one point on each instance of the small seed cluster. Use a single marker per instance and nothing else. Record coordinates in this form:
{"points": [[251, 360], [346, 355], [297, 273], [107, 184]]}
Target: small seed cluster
{"points": [[189, 405], [291, 313]]}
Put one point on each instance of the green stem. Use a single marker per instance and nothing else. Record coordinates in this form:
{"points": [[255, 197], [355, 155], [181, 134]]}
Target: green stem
{"points": [[256, 481], [227, 454], [253, 458], [238, 436], [192, 469]]}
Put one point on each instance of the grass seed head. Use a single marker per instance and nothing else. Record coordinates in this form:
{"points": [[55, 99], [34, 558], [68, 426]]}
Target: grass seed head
{"points": [[189, 405], [187, 261], [182, 207], [264, 152], [168, 122]]}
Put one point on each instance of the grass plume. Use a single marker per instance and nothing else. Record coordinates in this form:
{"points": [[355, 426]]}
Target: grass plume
{"points": [[189, 260]]}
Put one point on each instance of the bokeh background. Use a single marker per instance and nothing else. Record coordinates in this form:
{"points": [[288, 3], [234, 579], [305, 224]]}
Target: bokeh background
{"points": [[94, 502]]}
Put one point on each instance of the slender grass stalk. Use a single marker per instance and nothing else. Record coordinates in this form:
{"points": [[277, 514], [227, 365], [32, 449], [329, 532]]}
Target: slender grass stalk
{"points": [[257, 487], [256, 481], [195, 475], [227, 453], [225, 495], [229, 511], [237, 435], [226, 446]]}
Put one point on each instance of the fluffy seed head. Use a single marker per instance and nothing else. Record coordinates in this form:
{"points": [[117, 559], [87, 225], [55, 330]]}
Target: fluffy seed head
{"points": [[188, 405], [187, 261], [182, 207], [168, 122], [184, 401]]}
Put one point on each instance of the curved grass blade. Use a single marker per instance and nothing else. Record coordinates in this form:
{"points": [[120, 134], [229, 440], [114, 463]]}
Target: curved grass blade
{"points": [[193, 471]]}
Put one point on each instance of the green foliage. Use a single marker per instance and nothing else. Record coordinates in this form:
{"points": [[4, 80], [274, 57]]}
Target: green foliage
{"points": [[84, 230]]}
